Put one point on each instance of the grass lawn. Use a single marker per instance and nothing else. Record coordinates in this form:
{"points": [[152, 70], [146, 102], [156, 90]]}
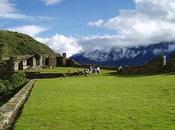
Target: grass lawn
{"points": [[105, 102]]}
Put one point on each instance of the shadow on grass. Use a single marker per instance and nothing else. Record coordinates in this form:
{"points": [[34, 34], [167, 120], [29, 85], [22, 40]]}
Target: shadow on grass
{"points": [[136, 75], [12, 126], [124, 75], [171, 73], [18, 114]]}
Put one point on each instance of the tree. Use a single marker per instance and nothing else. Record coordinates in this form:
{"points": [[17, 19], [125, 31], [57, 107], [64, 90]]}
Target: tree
{"points": [[1, 50]]}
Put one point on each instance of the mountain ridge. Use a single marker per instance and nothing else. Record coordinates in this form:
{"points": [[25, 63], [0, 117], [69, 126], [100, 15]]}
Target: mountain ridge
{"points": [[126, 56]]}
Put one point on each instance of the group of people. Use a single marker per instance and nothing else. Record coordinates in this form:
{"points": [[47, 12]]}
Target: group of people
{"points": [[92, 70]]}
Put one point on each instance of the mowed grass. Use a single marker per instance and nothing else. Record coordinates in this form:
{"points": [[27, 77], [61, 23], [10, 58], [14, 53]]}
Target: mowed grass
{"points": [[105, 102]]}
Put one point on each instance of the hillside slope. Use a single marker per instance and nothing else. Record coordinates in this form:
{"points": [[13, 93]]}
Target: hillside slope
{"points": [[21, 44]]}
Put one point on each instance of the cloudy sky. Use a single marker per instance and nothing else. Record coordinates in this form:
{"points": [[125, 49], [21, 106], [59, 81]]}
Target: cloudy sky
{"points": [[73, 26]]}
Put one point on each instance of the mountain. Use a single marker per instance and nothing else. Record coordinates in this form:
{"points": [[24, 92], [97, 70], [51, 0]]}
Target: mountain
{"points": [[21, 44], [125, 56]]}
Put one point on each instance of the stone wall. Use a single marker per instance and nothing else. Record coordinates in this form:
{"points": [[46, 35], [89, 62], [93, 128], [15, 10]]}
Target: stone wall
{"points": [[9, 111], [171, 64], [38, 75], [153, 67]]}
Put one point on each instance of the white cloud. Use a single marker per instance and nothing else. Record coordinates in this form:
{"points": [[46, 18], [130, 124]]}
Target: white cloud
{"points": [[157, 51], [96, 23], [98, 42], [8, 10], [6, 7], [59, 43], [150, 22], [52, 2], [62, 44], [32, 30]]}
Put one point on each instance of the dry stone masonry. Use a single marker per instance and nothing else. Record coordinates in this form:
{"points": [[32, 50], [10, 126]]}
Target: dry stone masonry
{"points": [[9, 111]]}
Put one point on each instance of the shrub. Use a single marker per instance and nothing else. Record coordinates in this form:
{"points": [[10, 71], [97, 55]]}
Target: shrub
{"points": [[10, 87], [17, 80], [2, 87]]}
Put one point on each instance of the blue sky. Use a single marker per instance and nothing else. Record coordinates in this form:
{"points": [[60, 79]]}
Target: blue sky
{"points": [[70, 17], [73, 26]]}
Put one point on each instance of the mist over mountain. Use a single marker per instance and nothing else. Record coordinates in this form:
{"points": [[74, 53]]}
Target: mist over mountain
{"points": [[125, 56]]}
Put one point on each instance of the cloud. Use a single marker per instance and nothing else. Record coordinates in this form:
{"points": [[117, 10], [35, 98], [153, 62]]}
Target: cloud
{"points": [[52, 2], [7, 7], [98, 42], [62, 44], [8, 10], [96, 23], [151, 21], [59, 43], [32, 30]]}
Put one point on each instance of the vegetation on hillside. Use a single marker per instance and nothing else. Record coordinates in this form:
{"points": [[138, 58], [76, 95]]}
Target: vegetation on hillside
{"points": [[105, 102], [9, 87], [15, 43], [1, 50]]}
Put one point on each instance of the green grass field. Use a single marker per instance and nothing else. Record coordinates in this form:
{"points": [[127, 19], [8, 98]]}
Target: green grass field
{"points": [[105, 102]]}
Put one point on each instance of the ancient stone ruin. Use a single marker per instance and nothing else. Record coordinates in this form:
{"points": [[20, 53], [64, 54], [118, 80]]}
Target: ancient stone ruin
{"points": [[161, 64], [38, 61]]}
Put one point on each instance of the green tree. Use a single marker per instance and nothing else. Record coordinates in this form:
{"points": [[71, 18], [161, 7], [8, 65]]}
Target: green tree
{"points": [[1, 50]]}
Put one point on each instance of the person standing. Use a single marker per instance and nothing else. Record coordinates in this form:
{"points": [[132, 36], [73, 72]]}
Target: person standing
{"points": [[85, 72], [98, 70]]}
